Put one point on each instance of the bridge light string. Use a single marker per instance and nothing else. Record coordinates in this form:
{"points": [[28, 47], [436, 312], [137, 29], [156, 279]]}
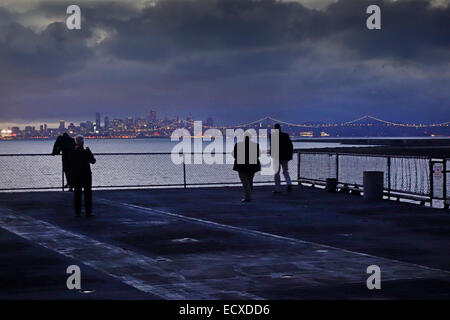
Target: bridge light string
{"points": [[290, 124]]}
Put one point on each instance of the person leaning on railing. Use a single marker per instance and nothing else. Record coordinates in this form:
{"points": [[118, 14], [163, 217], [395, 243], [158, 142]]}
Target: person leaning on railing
{"points": [[65, 144], [81, 160]]}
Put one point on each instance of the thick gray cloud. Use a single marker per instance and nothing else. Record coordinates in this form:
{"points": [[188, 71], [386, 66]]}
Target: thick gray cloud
{"points": [[231, 59]]}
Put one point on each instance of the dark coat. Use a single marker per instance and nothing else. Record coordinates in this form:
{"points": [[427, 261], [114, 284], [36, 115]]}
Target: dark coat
{"points": [[286, 148], [64, 144], [81, 160], [246, 165]]}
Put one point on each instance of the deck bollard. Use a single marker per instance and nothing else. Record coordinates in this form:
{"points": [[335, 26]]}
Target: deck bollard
{"points": [[373, 185], [331, 184]]}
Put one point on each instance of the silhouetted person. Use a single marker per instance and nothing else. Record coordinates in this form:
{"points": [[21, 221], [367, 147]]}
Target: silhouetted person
{"points": [[65, 144], [286, 150], [81, 160], [246, 163]]}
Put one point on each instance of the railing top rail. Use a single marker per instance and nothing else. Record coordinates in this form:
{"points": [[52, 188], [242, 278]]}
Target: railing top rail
{"points": [[105, 154], [152, 153], [223, 153], [111, 154], [362, 154], [95, 153], [24, 154], [130, 153]]}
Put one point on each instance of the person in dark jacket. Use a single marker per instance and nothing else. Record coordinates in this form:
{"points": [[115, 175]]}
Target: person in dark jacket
{"points": [[81, 159], [285, 152], [65, 144], [246, 163]]}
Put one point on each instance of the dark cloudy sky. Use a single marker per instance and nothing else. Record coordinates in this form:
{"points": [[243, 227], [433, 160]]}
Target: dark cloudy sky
{"points": [[234, 60]]}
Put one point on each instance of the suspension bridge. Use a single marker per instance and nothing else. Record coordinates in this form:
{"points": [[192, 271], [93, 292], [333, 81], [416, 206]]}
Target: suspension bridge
{"points": [[367, 120]]}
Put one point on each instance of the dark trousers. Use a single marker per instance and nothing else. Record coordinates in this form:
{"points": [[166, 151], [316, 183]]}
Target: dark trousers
{"points": [[83, 184], [68, 178], [247, 183], [67, 171]]}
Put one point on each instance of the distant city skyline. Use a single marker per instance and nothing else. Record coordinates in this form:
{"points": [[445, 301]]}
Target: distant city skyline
{"points": [[151, 126], [55, 124]]}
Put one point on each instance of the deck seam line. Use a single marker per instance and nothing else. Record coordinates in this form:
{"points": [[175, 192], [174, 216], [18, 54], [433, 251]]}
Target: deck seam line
{"points": [[261, 233], [128, 279]]}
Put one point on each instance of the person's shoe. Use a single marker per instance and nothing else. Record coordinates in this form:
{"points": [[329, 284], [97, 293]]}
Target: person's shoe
{"points": [[246, 200], [70, 190], [289, 188], [90, 215], [276, 191]]}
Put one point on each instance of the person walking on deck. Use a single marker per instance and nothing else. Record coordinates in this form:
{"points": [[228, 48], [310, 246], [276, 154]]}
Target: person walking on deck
{"points": [[246, 163], [81, 160], [285, 152]]}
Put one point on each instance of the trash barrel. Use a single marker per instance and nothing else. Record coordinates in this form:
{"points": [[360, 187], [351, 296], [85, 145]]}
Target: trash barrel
{"points": [[373, 185], [331, 184]]}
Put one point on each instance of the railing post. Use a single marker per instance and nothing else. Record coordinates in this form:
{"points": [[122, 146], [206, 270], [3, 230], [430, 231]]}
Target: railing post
{"points": [[431, 164], [298, 168], [184, 171], [389, 177], [337, 167], [62, 175], [444, 187]]}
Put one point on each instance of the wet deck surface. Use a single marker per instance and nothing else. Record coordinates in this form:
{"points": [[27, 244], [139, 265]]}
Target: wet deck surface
{"points": [[203, 243]]}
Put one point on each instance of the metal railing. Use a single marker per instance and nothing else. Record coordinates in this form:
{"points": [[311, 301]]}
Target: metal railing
{"points": [[418, 178], [23, 172], [446, 191]]}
